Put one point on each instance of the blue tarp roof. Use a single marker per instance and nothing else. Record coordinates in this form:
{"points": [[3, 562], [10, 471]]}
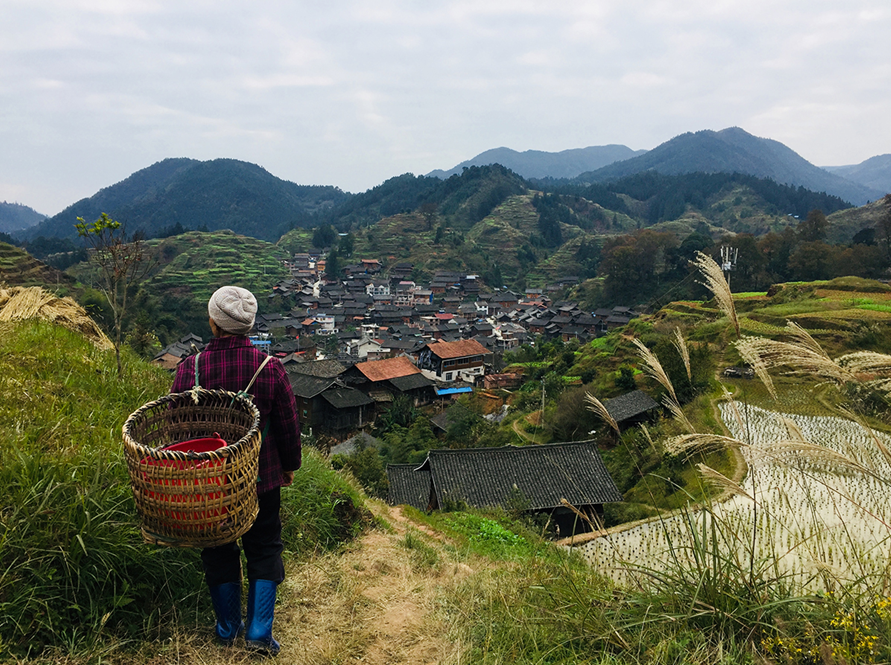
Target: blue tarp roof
{"points": [[453, 391]]}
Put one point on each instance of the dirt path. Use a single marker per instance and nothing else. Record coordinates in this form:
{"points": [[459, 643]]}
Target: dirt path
{"points": [[519, 422], [373, 603]]}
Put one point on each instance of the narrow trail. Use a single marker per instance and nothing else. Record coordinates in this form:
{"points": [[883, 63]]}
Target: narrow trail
{"points": [[375, 602], [372, 603]]}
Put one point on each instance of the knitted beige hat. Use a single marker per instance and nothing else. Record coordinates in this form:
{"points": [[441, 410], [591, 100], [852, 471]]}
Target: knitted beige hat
{"points": [[233, 309]]}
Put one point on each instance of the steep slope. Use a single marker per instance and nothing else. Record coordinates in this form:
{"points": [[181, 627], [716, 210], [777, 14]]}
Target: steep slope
{"points": [[540, 164], [217, 194], [875, 172], [735, 150]]}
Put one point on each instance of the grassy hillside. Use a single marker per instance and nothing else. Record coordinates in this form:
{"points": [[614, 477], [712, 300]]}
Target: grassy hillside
{"points": [[78, 586], [74, 573], [844, 224]]}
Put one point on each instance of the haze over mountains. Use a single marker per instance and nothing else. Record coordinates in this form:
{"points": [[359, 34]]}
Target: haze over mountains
{"points": [[539, 164], [731, 150], [875, 172], [227, 193], [17, 217]]}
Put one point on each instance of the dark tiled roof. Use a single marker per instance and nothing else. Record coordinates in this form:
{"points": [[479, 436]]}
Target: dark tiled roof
{"points": [[322, 368], [542, 475], [630, 405], [408, 485], [344, 398], [306, 386], [411, 382]]}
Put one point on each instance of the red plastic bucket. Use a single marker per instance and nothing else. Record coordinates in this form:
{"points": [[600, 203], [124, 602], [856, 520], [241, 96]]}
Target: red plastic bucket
{"points": [[204, 491]]}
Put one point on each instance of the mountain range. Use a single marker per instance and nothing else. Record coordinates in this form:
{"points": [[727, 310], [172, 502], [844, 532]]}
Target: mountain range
{"points": [[735, 150], [540, 164], [231, 194], [732, 150], [875, 172]]}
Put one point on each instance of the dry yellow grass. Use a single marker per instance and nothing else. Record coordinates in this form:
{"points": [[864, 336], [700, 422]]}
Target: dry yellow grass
{"points": [[20, 303]]}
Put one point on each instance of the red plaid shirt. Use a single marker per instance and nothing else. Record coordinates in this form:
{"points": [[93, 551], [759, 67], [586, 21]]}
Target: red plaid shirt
{"points": [[229, 363]]}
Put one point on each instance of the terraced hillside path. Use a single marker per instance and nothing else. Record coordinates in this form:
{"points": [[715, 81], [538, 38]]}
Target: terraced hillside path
{"points": [[374, 602]]}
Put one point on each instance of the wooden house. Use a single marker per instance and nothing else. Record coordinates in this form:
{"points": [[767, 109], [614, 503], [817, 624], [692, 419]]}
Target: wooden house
{"points": [[536, 478]]}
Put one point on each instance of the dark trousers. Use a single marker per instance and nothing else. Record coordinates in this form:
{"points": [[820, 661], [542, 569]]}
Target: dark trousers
{"points": [[262, 547]]}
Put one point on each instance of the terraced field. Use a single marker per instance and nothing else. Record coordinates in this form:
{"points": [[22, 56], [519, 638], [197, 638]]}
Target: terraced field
{"points": [[18, 268], [202, 262]]}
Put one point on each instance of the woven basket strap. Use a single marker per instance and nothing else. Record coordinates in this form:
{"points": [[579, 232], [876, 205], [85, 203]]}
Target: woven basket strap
{"points": [[197, 384], [244, 392], [256, 374]]}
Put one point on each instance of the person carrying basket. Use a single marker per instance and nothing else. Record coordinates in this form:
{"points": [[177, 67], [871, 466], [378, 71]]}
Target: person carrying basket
{"points": [[229, 362]]}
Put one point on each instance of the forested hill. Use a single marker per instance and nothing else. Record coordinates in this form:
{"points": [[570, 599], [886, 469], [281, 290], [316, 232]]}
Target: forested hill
{"points": [[460, 201], [734, 150], [211, 195], [15, 217]]}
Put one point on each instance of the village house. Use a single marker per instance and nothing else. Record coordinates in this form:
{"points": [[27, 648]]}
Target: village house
{"points": [[632, 408], [453, 361], [536, 479], [383, 379]]}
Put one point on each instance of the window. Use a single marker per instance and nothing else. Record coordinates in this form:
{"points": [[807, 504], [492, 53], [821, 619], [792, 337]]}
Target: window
{"points": [[448, 376]]}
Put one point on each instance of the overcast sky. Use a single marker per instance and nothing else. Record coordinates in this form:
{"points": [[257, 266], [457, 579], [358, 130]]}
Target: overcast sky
{"points": [[352, 93]]}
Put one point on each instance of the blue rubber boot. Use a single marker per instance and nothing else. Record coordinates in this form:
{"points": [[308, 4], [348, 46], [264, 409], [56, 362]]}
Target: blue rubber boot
{"points": [[227, 606], [260, 611]]}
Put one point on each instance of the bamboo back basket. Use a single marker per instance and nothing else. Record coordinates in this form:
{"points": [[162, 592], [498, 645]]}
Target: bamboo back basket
{"points": [[194, 499]]}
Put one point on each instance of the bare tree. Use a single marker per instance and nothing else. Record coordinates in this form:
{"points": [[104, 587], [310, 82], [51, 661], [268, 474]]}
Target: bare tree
{"points": [[121, 264]]}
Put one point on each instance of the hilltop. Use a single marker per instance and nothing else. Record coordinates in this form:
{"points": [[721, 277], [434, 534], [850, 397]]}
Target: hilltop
{"points": [[212, 195], [16, 217], [734, 150], [874, 172]]}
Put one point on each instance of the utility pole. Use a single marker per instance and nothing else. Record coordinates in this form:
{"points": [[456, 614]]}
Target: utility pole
{"points": [[728, 261]]}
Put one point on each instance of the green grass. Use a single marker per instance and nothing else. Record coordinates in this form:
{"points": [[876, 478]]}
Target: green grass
{"points": [[73, 568]]}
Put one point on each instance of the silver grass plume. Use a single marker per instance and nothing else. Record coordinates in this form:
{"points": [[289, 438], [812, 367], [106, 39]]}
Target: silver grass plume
{"points": [[886, 453], [733, 406], [597, 407], [678, 413], [867, 362], [681, 346], [717, 284], [794, 452], [873, 369], [691, 443], [720, 480], [802, 356], [653, 367], [649, 438]]}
